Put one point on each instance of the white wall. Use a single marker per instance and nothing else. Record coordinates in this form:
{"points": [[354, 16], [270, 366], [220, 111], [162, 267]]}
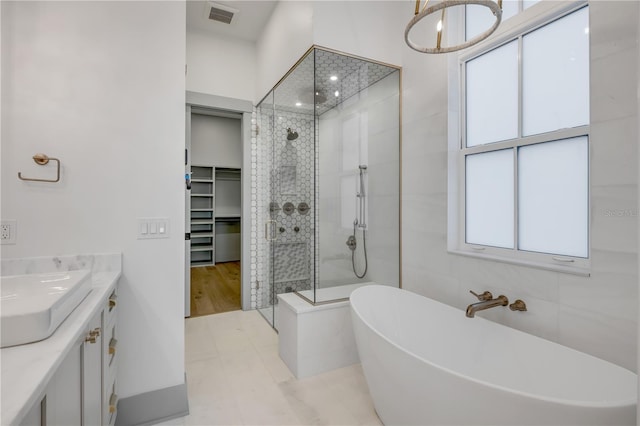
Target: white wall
{"points": [[100, 85], [216, 141], [365, 28], [638, 159], [221, 66], [597, 315], [286, 37]]}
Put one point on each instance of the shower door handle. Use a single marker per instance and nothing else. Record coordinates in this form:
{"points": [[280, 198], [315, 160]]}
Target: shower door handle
{"points": [[268, 230]]}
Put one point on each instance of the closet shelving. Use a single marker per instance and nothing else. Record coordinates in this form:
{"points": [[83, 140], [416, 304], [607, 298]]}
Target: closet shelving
{"points": [[202, 215], [215, 214], [227, 214]]}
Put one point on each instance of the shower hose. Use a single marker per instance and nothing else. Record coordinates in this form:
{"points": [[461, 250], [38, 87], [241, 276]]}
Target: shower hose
{"points": [[353, 252]]}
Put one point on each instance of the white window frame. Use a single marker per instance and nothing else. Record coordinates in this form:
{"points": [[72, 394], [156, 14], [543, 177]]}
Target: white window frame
{"points": [[515, 28]]}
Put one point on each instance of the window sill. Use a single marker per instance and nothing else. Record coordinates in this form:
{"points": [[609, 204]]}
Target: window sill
{"points": [[573, 270]]}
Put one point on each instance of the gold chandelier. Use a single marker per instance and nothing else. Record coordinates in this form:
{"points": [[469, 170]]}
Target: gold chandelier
{"points": [[495, 8]]}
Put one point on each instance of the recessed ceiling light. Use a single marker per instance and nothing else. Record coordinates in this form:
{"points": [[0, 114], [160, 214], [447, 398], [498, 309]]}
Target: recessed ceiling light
{"points": [[333, 78], [298, 103], [337, 93]]}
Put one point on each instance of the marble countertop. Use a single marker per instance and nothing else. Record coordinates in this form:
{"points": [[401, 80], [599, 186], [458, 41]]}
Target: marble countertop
{"points": [[26, 369]]}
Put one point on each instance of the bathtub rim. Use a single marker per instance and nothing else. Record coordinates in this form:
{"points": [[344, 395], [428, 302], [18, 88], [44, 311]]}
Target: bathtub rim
{"points": [[571, 402]]}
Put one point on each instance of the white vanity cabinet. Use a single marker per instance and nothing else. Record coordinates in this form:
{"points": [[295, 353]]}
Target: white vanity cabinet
{"points": [[61, 403], [80, 391]]}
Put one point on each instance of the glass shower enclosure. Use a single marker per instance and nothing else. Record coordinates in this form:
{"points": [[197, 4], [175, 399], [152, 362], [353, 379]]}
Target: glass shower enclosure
{"points": [[327, 187]]}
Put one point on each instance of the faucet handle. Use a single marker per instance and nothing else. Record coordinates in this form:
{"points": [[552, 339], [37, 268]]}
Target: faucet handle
{"points": [[482, 297], [518, 305]]}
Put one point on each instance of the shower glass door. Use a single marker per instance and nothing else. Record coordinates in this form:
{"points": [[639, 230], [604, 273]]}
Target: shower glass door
{"points": [[327, 185], [266, 210], [292, 251]]}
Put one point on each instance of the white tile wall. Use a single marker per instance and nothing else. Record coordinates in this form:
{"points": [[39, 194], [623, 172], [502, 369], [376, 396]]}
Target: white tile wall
{"points": [[597, 315], [379, 103]]}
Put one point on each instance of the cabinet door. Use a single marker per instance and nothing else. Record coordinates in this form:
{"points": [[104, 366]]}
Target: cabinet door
{"points": [[36, 415], [92, 374], [64, 392]]}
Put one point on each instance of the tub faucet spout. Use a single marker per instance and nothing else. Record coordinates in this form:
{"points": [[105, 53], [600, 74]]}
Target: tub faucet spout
{"points": [[486, 304]]}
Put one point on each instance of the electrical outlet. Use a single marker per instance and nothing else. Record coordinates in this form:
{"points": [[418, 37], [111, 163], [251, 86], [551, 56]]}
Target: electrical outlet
{"points": [[8, 231]]}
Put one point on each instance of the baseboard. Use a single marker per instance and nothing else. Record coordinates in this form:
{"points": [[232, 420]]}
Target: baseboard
{"points": [[153, 407]]}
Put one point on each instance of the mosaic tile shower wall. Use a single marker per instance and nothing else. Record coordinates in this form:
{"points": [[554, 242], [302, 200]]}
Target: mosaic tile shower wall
{"points": [[257, 294], [284, 169]]}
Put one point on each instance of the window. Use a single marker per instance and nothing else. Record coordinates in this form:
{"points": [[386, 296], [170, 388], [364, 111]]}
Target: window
{"points": [[523, 150]]}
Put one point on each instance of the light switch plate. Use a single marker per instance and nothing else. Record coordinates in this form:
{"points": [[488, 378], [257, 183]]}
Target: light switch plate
{"points": [[149, 228], [8, 231]]}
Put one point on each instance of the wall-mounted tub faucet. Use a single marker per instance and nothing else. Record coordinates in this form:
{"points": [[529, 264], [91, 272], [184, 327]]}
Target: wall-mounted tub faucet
{"points": [[486, 302]]}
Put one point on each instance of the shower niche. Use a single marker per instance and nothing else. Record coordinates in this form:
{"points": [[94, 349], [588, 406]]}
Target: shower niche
{"points": [[327, 172]]}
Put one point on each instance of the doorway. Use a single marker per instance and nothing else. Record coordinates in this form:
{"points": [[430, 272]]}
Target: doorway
{"points": [[215, 289], [214, 219]]}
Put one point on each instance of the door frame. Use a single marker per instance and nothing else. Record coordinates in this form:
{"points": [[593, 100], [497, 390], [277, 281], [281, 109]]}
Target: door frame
{"points": [[224, 105]]}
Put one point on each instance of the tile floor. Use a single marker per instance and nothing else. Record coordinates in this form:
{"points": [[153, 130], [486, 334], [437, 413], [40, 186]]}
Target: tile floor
{"points": [[235, 377]]}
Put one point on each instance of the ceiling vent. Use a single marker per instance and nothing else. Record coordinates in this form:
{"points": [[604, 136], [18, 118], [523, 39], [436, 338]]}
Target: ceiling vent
{"points": [[221, 13]]}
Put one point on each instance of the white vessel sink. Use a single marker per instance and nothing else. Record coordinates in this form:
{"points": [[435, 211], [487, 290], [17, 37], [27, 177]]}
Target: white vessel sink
{"points": [[32, 306]]}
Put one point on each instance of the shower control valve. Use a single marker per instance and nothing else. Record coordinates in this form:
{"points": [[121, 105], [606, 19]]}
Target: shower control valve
{"points": [[296, 229], [351, 242], [281, 229]]}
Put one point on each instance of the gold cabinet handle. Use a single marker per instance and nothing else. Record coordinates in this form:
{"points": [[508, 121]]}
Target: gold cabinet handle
{"points": [[112, 346], [93, 335], [113, 301], [113, 403]]}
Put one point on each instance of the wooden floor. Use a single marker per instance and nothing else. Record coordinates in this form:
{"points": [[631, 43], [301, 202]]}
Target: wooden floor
{"points": [[215, 289]]}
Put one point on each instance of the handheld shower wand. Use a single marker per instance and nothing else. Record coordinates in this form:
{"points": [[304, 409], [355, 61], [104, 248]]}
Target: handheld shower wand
{"points": [[359, 223], [362, 223]]}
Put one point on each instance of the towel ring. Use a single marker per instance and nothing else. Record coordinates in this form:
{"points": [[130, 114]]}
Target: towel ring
{"points": [[42, 159]]}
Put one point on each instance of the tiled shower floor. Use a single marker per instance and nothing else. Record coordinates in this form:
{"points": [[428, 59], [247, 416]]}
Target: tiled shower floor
{"points": [[236, 377]]}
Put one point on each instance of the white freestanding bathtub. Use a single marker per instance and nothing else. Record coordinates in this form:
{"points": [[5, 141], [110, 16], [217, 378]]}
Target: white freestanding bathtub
{"points": [[427, 364]]}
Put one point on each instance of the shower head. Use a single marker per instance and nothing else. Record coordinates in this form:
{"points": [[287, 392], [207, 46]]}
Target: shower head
{"points": [[291, 135], [362, 167], [312, 95]]}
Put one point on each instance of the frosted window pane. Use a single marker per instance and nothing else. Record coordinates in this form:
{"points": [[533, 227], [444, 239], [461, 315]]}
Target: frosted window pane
{"points": [[479, 18], [489, 198], [554, 197], [492, 96], [555, 75]]}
